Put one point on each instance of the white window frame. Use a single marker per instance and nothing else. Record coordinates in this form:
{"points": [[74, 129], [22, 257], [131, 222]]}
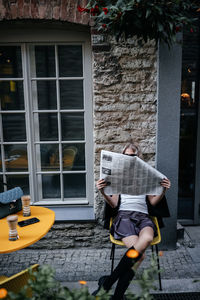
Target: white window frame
{"points": [[79, 209]]}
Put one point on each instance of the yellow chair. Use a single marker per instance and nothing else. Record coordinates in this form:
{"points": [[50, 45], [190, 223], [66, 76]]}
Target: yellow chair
{"points": [[155, 242], [17, 281]]}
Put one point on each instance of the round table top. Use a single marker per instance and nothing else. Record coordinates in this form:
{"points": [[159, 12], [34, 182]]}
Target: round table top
{"points": [[28, 235]]}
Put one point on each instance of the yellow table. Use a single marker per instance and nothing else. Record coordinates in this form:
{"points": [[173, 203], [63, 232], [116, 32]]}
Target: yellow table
{"points": [[30, 234]]}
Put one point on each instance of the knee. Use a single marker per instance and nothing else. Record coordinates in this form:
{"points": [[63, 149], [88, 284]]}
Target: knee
{"points": [[149, 239]]}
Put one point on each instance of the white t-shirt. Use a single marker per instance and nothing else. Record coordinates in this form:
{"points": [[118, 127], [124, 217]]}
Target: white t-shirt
{"points": [[133, 203]]}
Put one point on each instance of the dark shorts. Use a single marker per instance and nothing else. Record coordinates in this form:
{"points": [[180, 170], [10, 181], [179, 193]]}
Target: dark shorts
{"points": [[129, 223]]}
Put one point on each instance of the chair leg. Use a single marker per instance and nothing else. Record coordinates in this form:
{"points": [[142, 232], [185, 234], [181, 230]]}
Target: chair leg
{"points": [[112, 257], [158, 264]]}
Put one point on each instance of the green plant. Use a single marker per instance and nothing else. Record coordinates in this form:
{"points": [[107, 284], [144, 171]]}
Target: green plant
{"points": [[43, 286], [157, 20]]}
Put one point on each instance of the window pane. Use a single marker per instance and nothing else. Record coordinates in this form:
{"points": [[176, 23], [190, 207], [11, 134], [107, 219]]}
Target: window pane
{"points": [[1, 184], [70, 61], [51, 186], [10, 61], [74, 185], [19, 180], [44, 94], [73, 157], [72, 126], [48, 126], [11, 95], [45, 61], [0, 162], [71, 94], [16, 158], [14, 129], [49, 155]]}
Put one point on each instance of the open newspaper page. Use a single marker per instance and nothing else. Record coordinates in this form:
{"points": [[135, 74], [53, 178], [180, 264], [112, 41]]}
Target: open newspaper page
{"points": [[129, 175]]}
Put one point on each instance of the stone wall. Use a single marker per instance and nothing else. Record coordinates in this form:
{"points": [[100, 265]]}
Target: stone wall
{"points": [[125, 85]]}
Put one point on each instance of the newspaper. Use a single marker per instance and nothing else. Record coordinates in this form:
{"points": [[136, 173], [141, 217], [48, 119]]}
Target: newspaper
{"points": [[129, 175]]}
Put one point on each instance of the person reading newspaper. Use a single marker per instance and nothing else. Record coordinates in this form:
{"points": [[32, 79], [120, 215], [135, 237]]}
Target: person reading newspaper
{"points": [[133, 226]]}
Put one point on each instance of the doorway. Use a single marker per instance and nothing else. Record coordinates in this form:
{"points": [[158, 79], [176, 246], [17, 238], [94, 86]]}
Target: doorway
{"points": [[189, 161]]}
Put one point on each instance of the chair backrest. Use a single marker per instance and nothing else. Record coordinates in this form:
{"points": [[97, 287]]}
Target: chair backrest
{"points": [[156, 240], [17, 281]]}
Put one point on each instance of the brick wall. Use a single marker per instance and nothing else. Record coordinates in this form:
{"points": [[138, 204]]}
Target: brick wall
{"points": [[63, 10]]}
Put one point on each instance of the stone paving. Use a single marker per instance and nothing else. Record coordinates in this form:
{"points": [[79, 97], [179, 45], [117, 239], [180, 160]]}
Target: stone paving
{"points": [[89, 264]]}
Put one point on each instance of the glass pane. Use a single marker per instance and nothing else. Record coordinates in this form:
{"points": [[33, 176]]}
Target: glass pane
{"points": [[10, 62], [19, 180], [16, 158], [49, 155], [45, 61], [44, 94], [70, 61], [71, 94], [73, 157], [188, 124], [51, 186], [72, 126], [1, 184], [48, 126], [74, 185], [11, 95], [14, 128], [0, 162]]}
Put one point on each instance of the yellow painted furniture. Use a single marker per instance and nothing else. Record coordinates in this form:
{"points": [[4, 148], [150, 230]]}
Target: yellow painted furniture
{"points": [[17, 281], [155, 243], [30, 234]]}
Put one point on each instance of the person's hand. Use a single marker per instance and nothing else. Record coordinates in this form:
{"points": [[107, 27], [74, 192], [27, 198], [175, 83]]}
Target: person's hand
{"points": [[101, 184], [165, 183]]}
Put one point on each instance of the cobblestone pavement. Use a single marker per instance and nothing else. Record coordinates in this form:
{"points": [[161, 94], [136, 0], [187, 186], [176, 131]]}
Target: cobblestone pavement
{"points": [[89, 264]]}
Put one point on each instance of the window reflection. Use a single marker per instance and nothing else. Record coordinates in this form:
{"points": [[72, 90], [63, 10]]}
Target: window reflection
{"points": [[44, 94], [14, 129], [49, 155], [10, 62], [19, 180], [70, 61], [188, 124], [11, 95], [16, 159], [74, 185], [48, 123], [51, 186], [71, 94], [72, 126], [44, 61], [73, 157]]}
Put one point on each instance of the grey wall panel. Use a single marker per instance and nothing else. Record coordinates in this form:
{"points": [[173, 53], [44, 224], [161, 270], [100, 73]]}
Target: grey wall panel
{"points": [[168, 123]]}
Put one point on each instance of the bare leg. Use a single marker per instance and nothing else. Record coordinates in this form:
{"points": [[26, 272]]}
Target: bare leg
{"points": [[140, 243]]}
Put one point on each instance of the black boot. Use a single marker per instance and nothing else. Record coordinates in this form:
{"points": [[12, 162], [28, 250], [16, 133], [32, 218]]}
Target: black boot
{"points": [[122, 285], [125, 264]]}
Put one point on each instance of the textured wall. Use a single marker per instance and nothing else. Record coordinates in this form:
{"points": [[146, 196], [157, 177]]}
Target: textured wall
{"points": [[125, 88], [64, 10]]}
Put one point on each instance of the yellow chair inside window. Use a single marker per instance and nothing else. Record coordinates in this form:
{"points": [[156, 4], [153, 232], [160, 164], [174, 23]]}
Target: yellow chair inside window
{"points": [[155, 242]]}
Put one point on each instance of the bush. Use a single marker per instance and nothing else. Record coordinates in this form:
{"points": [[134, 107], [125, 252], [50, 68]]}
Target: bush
{"points": [[157, 20], [44, 287]]}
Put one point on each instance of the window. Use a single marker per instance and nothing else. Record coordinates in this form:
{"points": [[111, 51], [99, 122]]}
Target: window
{"points": [[46, 121]]}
